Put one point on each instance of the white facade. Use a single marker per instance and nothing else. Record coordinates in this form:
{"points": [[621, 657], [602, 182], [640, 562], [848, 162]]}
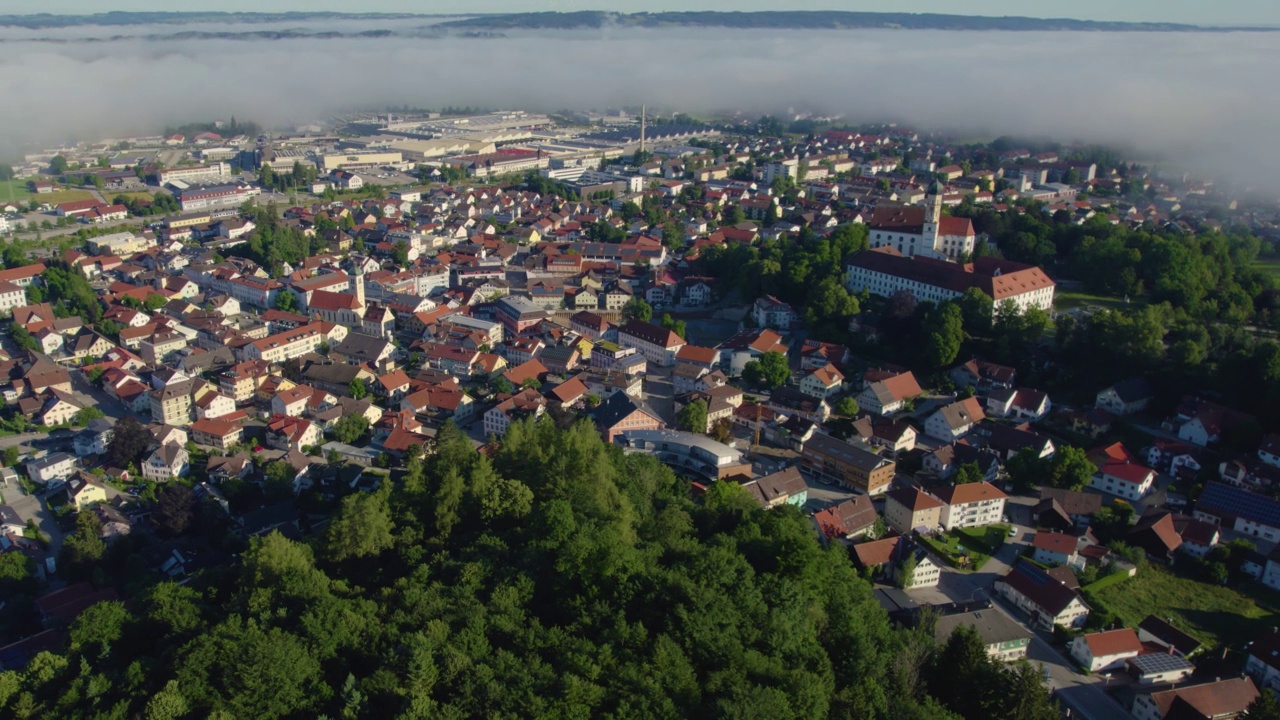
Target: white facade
{"points": [[974, 514]]}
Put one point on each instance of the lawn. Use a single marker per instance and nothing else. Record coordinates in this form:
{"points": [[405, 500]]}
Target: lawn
{"points": [[979, 545], [15, 191], [138, 195], [1212, 613], [1270, 264], [1067, 299], [64, 196]]}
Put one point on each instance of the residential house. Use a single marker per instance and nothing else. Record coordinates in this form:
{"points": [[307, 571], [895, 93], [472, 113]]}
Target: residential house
{"points": [[1126, 397], [657, 344], [221, 434], [1065, 509], [1245, 512], [1004, 639], [793, 403], [94, 438], [1054, 548], [1263, 660], [883, 432], [909, 509], [889, 393], [526, 403], [785, 487], [1217, 700], [290, 433], [770, 312], [84, 490], [823, 383], [1102, 651], [971, 505], [983, 376], [1020, 404], [1048, 600], [1157, 631], [50, 468], [746, 346], [953, 421], [892, 559], [1120, 473], [849, 519], [166, 462]]}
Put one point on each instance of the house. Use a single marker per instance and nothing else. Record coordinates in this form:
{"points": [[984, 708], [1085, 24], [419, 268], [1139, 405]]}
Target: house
{"points": [[823, 382], [1269, 450], [220, 434], [84, 490], [785, 487], [1158, 668], [166, 462], [770, 312], [1004, 639], [1159, 632], [1054, 548], [849, 519], [854, 465], [953, 421], [748, 345], [293, 401], [1126, 397], [1201, 422], [898, 559], [983, 376], [1047, 600], [1120, 473], [50, 468], [657, 344], [883, 432], [1217, 700], [1263, 661], [290, 433], [971, 505], [791, 402], [1020, 404], [1065, 509], [909, 509], [1157, 535], [621, 413], [1243, 511], [526, 403], [94, 438], [358, 348], [888, 395], [1101, 651]]}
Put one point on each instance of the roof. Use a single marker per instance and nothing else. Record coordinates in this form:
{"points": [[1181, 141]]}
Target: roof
{"points": [[993, 626], [915, 499], [1132, 390], [1073, 502], [652, 334], [1211, 700], [1184, 643], [1055, 542], [847, 517], [616, 408], [877, 552], [999, 279], [900, 387], [783, 483], [1155, 533], [1221, 500], [697, 354], [970, 493], [1113, 642], [1037, 586], [962, 413], [858, 457], [530, 369]]}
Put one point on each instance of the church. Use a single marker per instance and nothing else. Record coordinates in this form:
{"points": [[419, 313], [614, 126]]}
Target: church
{"points": [[341, 308], [922, 230]]}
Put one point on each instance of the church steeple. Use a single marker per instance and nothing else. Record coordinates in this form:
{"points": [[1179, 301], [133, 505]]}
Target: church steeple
{"points": [[356, 283], [932, 214]]}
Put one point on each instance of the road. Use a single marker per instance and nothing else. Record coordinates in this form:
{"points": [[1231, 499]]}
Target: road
{"points": [[32, 507]]}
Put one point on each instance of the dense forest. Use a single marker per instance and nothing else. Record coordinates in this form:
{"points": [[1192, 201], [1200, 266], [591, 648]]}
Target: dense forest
{"points": [[560, 579]]}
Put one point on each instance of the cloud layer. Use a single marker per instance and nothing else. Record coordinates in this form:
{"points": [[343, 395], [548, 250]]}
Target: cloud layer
{"points": [[1202, 99]]}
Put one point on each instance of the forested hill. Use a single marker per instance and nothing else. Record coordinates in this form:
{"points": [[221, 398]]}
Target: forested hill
{"points": [[561, 579], [799, 20]]}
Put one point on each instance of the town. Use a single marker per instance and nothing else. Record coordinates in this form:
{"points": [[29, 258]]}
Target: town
{"points": [[1028, 389]]}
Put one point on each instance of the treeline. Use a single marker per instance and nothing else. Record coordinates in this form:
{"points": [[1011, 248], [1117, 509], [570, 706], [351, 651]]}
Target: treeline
{"points": [[301, 177], [272, 244], [560, 578]]}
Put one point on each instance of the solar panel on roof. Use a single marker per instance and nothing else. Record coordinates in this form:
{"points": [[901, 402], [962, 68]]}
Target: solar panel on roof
{"points": [[1161, 663], [1245, 504], [1034, 574]]}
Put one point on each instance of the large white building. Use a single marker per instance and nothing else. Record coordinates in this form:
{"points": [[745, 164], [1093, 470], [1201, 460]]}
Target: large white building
{"points": [[884, 271], [211, 171], [922, 230]]}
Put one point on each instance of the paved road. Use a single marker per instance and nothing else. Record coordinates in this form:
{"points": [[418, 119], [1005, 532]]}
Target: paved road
{"points": [[32, 507], [112, 407]]}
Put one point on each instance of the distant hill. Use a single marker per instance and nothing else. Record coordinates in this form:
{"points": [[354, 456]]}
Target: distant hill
{"points": [[806, 20]]}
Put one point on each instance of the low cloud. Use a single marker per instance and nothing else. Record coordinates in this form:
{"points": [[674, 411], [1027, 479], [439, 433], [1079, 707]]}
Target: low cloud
{"points": [[1199, 99]]}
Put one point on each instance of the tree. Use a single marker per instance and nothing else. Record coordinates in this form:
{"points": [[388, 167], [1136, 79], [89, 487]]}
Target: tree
{"points": [[82, 549], [11, 456], [1071, 468], [847, 406], [675, 326], [358, 389], [278, 478], [129, 440], [673, 235], [969, 473], [84, 415], [693, 417], [363, 526], [350, 428], [907, 570], [944, 332], [1026, 469], [400, 253], [1263, 707], [637, 309], [722, 430], [770, 370], [499, 385], [976, 309], [175, 508], [58, 165], [286, 301]]}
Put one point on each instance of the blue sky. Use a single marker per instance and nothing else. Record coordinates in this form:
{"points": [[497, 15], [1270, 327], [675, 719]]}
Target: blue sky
{"points": [[1227, 12]]}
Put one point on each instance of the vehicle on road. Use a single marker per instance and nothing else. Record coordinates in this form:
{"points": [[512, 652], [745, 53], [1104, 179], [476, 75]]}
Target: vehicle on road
{"points": [[1013, 532]]}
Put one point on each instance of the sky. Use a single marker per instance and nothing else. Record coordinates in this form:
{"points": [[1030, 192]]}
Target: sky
{"points": [[1203, 12]]}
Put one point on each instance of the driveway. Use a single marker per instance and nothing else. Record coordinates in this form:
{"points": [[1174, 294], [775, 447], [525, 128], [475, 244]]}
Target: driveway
{"points": [[32, 507]]}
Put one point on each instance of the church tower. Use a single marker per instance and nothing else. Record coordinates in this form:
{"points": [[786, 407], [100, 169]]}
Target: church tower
{"points": [[356, 283], [932, 215]]}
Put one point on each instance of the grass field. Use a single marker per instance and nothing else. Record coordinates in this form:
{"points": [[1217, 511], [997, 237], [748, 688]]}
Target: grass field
{"points": [[1212, 613], [20, 193], [979, 545], [131, 195], [1069, 299], [1270, 263], [15, 191]]}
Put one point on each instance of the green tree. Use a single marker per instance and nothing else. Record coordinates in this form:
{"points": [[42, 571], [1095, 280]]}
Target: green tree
{"points": [[944, 335], [1071, 468], [847, 406], [363, 527], [770, 370], [11, 455], [637, 309], [1264, 707], [277, 483], [350, 428], [129, 440], [58, 165], [969, 473], [358, 389], [286, 301], [976, 308], [693, 417], [675, 326], [83, 548], [84, 415]]}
